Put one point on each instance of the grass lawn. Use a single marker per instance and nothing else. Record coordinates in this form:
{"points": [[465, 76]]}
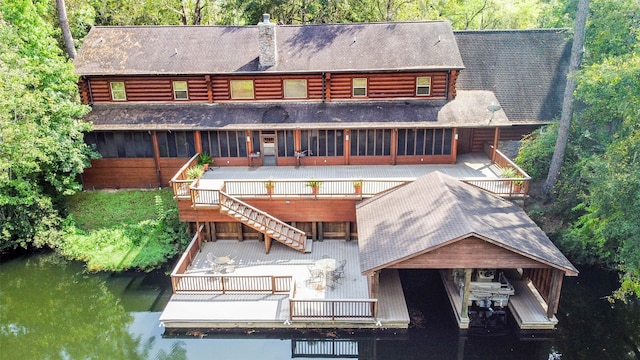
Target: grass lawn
{"points": [[124, 229]]}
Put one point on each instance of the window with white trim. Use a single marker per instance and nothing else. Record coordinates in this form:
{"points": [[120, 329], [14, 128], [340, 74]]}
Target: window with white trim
{"points": [[241, 89], [360, 87], [423, 86], [118, 92], [295, 89], [180, 90]]}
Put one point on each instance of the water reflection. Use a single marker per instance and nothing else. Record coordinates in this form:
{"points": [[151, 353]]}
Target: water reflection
{"points": [[51, 309]]}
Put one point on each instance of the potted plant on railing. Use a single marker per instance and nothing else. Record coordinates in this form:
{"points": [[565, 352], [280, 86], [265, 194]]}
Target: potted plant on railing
{"points": [[205, 160], [269, 185], [517, 185], [509, 173], [357, 187], [314, 185], [195, 172]]}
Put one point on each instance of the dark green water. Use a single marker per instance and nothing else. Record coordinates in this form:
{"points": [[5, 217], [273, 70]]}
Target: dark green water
{"points": [[52, 309]]}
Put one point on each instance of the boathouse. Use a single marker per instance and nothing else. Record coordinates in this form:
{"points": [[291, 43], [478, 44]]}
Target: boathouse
{"points": [[310, 129]]}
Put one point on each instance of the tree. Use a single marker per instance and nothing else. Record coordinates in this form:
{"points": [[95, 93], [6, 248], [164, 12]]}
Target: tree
{"points": [[41, 141], [567, 104], [66, 30]]}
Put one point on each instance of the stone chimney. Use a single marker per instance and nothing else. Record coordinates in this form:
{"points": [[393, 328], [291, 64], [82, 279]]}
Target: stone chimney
{"points": [[267, 42]]}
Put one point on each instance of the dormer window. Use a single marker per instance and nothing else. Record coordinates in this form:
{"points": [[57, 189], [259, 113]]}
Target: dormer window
{"points": [[295, 89], [359, 87], [118, 92], [423, 86], [180, 90], [241, 89]]}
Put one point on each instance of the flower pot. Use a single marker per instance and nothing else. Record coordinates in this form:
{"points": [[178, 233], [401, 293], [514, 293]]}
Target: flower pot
{"points": [[270, 190], [315, 190], [357, 189]]}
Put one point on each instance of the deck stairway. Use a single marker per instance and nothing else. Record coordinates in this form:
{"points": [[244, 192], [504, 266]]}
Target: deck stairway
{"points": [[264, 223]]}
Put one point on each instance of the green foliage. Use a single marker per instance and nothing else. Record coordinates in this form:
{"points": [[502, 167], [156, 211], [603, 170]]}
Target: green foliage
{"points": [[131, 230], [536, 149], [195, 172], [41, 141]]}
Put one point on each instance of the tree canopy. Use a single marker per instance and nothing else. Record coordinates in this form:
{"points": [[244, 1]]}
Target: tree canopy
{"points": [[598, 193], [41, 142]]}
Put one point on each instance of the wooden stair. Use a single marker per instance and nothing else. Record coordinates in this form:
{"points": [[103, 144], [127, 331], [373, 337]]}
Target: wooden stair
{"points": [[261, 221]]}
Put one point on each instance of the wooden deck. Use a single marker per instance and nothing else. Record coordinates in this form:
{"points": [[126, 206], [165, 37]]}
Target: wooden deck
{"points": [[265, 310], [525, 306], [527, 309]]}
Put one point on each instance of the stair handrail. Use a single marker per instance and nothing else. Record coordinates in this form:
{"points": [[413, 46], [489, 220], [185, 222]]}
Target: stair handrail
{"points": [[224, 196]]}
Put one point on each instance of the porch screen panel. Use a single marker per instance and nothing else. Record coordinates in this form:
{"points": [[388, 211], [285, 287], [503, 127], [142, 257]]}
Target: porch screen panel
{"points": [[371, 142], [448, 140], [285, 143], [322, 142], [176, 144], [121, 144], [224, 143], [417, 142]]}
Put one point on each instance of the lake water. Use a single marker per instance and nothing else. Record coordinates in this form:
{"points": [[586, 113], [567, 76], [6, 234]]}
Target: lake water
{"points": [[53, 309]]}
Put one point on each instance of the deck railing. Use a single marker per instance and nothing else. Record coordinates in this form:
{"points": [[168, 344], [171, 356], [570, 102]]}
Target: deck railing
{"points": [[189, 254], [516, 187], [180, 183], [225, 284], [203, 197], [331, 309], [356, 188]]}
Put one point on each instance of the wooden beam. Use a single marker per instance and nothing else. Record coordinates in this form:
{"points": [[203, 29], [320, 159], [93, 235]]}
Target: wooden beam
{"points": [[464, 310], [374, 283], [214, 236], [554, 293], [394, 147], [314, 231], [347, 146], [156, 156], [496, 139], [267, 243], [240, 234]]}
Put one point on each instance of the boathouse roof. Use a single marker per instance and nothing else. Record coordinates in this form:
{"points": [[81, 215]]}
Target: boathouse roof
{"points": [[437, 210]]}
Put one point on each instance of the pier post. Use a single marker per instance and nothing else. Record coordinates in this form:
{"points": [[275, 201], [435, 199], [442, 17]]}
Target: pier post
{"points": [[464, 310]]}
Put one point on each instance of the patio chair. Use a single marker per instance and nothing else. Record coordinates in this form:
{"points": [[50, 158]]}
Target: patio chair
{"points": [[338, 274], [315, 276]]}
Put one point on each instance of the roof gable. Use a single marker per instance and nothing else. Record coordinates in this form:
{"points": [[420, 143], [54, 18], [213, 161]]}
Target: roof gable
{"points": [[131, 50], [436, 209]]}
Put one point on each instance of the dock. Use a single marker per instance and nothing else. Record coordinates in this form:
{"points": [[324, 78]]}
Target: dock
{"points": [[213, 310]]}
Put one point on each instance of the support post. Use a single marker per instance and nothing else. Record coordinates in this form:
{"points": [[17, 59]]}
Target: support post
{"points": [[320, 231], [347, 230], [496, 139], [240, 233], [554, 292], [267, 243], [464, 310]]}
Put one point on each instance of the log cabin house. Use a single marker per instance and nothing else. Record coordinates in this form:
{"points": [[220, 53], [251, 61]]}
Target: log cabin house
{"points": [[281, 100]]}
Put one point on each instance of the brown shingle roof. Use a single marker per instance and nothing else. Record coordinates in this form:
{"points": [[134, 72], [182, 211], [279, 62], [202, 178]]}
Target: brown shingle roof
{"points": [[436, 209], [526, 69], [469, 109], [130, 50]]}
